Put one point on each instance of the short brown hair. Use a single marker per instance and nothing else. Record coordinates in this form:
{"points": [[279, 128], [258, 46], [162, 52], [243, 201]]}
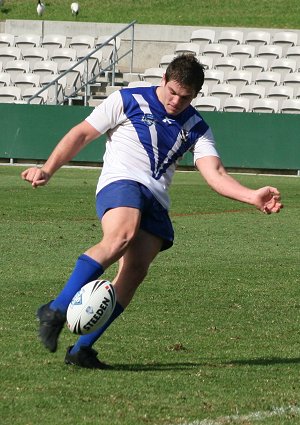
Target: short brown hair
{"points": [[187, 71]]}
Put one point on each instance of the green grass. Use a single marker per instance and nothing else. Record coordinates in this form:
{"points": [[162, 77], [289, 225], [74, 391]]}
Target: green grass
{"points": [[257, 13], [213, 331]]}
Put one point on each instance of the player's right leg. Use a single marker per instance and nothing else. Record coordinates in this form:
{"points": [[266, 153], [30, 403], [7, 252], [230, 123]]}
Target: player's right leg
{"points": [[120, 213]]}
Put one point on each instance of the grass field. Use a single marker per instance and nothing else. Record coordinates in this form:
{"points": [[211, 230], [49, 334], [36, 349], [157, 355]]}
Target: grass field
{"points": [[257, 13], [211, 338]]}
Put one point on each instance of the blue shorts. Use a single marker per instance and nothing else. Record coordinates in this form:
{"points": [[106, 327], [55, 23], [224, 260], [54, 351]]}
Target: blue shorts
{"points": [[128, 193]]}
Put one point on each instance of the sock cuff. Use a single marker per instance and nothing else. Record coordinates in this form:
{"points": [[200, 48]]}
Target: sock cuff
{"points": [[91, 261]]}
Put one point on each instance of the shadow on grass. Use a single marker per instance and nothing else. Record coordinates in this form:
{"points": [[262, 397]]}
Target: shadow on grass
{"points": [[264, 361]]}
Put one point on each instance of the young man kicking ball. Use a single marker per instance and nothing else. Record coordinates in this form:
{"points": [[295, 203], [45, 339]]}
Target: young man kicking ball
{"points": [[148, 129]]}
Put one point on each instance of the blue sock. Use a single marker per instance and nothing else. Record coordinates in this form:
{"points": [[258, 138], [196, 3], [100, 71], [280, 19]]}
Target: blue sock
{"points": [[86, 269], [89, 339]]}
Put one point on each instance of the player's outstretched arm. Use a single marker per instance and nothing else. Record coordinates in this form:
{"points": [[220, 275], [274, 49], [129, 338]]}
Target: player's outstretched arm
{"points": [[266, 199], [69, 146]]}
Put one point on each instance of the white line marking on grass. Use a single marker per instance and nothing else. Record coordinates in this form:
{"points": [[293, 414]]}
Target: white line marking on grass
{"points": [[253, 416]]}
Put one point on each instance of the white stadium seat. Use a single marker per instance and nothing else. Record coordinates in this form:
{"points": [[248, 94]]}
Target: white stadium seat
{"points": [[280, 93], [265, 105], [231, 37], [16, 67], [215, 50], [292, 79], [269, 52], [9, 94], [40, 99], [35, 54], [25, 81], [239, 78], [191, 48], [6, 39], [257, 38], [268, 78], [207, 103], [223, 91], [284, 66], [242, 52], [285, 39], [236, 104], [165, 60], [291, 106], [53, 41], [27, 40], [293, 52], [5, 79], [255, 65], [45, 67], [63, 54], [203, 36], [212, 77], [227, 64], [9, 53], [153, 75], [252, 92]]}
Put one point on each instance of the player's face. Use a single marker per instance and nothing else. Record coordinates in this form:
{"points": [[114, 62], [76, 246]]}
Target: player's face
{"points": [[175, 97]]}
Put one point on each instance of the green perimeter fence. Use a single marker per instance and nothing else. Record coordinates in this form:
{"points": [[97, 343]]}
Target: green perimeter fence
{"points": [[244, 140]]}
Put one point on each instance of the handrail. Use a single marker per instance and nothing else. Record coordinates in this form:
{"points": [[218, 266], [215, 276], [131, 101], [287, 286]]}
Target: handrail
{"points": [[111, 66]]}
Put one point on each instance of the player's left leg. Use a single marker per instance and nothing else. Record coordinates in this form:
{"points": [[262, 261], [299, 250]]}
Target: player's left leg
{"points": [[133, 268]]}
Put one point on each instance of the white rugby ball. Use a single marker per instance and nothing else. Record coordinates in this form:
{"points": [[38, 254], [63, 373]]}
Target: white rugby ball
{"points": [[91, 307]]}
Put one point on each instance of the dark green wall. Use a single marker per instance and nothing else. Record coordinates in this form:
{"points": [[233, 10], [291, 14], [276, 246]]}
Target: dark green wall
{"points": [[244, 140]]}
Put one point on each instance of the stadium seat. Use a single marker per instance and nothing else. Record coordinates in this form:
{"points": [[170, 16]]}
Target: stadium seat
{"points": [[236, 104], [283, 66], [293, 52], [55, 92], [239, 78], [27, 40], [227, 64], [269, 52], [153, 75], [74, 77], [204, 90], [9, 53], [43, 68], [285, 39], [268, 79], [255, 65], [82, 41], [25, 81], [231, 37], [292, 79], [5, 79], [16, 67], [108, 50], [291, 106], [7, 40], [207, 103], [34, 54], [63, 54], [206, 61], [252, 92], [41, 98], [215, 50], [223, 91], [280, 93], [183, 48], [265, 105], [212, 77], [203, 36], [257, 38], [9, 94], [53, 41], [242, 52], [94, 61], [165, 60]]}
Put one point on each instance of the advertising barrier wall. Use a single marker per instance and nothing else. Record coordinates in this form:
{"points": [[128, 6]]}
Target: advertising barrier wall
{"points": [[244, 140]]}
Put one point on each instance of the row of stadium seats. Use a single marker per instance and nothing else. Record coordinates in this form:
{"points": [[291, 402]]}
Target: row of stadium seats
{"points": [[54, 41]]}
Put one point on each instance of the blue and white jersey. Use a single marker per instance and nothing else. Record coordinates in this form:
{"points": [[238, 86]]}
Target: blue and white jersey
{"points": [[144, 143]]}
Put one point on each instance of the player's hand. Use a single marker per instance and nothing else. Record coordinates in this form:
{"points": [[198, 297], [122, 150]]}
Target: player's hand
{"points": [[36, 176], [267, 200]]}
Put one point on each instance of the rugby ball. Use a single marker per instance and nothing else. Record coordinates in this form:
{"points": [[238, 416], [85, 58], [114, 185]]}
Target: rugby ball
{"points": [[91, 307]]}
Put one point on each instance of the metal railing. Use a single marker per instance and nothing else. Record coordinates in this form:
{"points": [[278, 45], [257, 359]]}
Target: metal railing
{"points": [[111, 67]]}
